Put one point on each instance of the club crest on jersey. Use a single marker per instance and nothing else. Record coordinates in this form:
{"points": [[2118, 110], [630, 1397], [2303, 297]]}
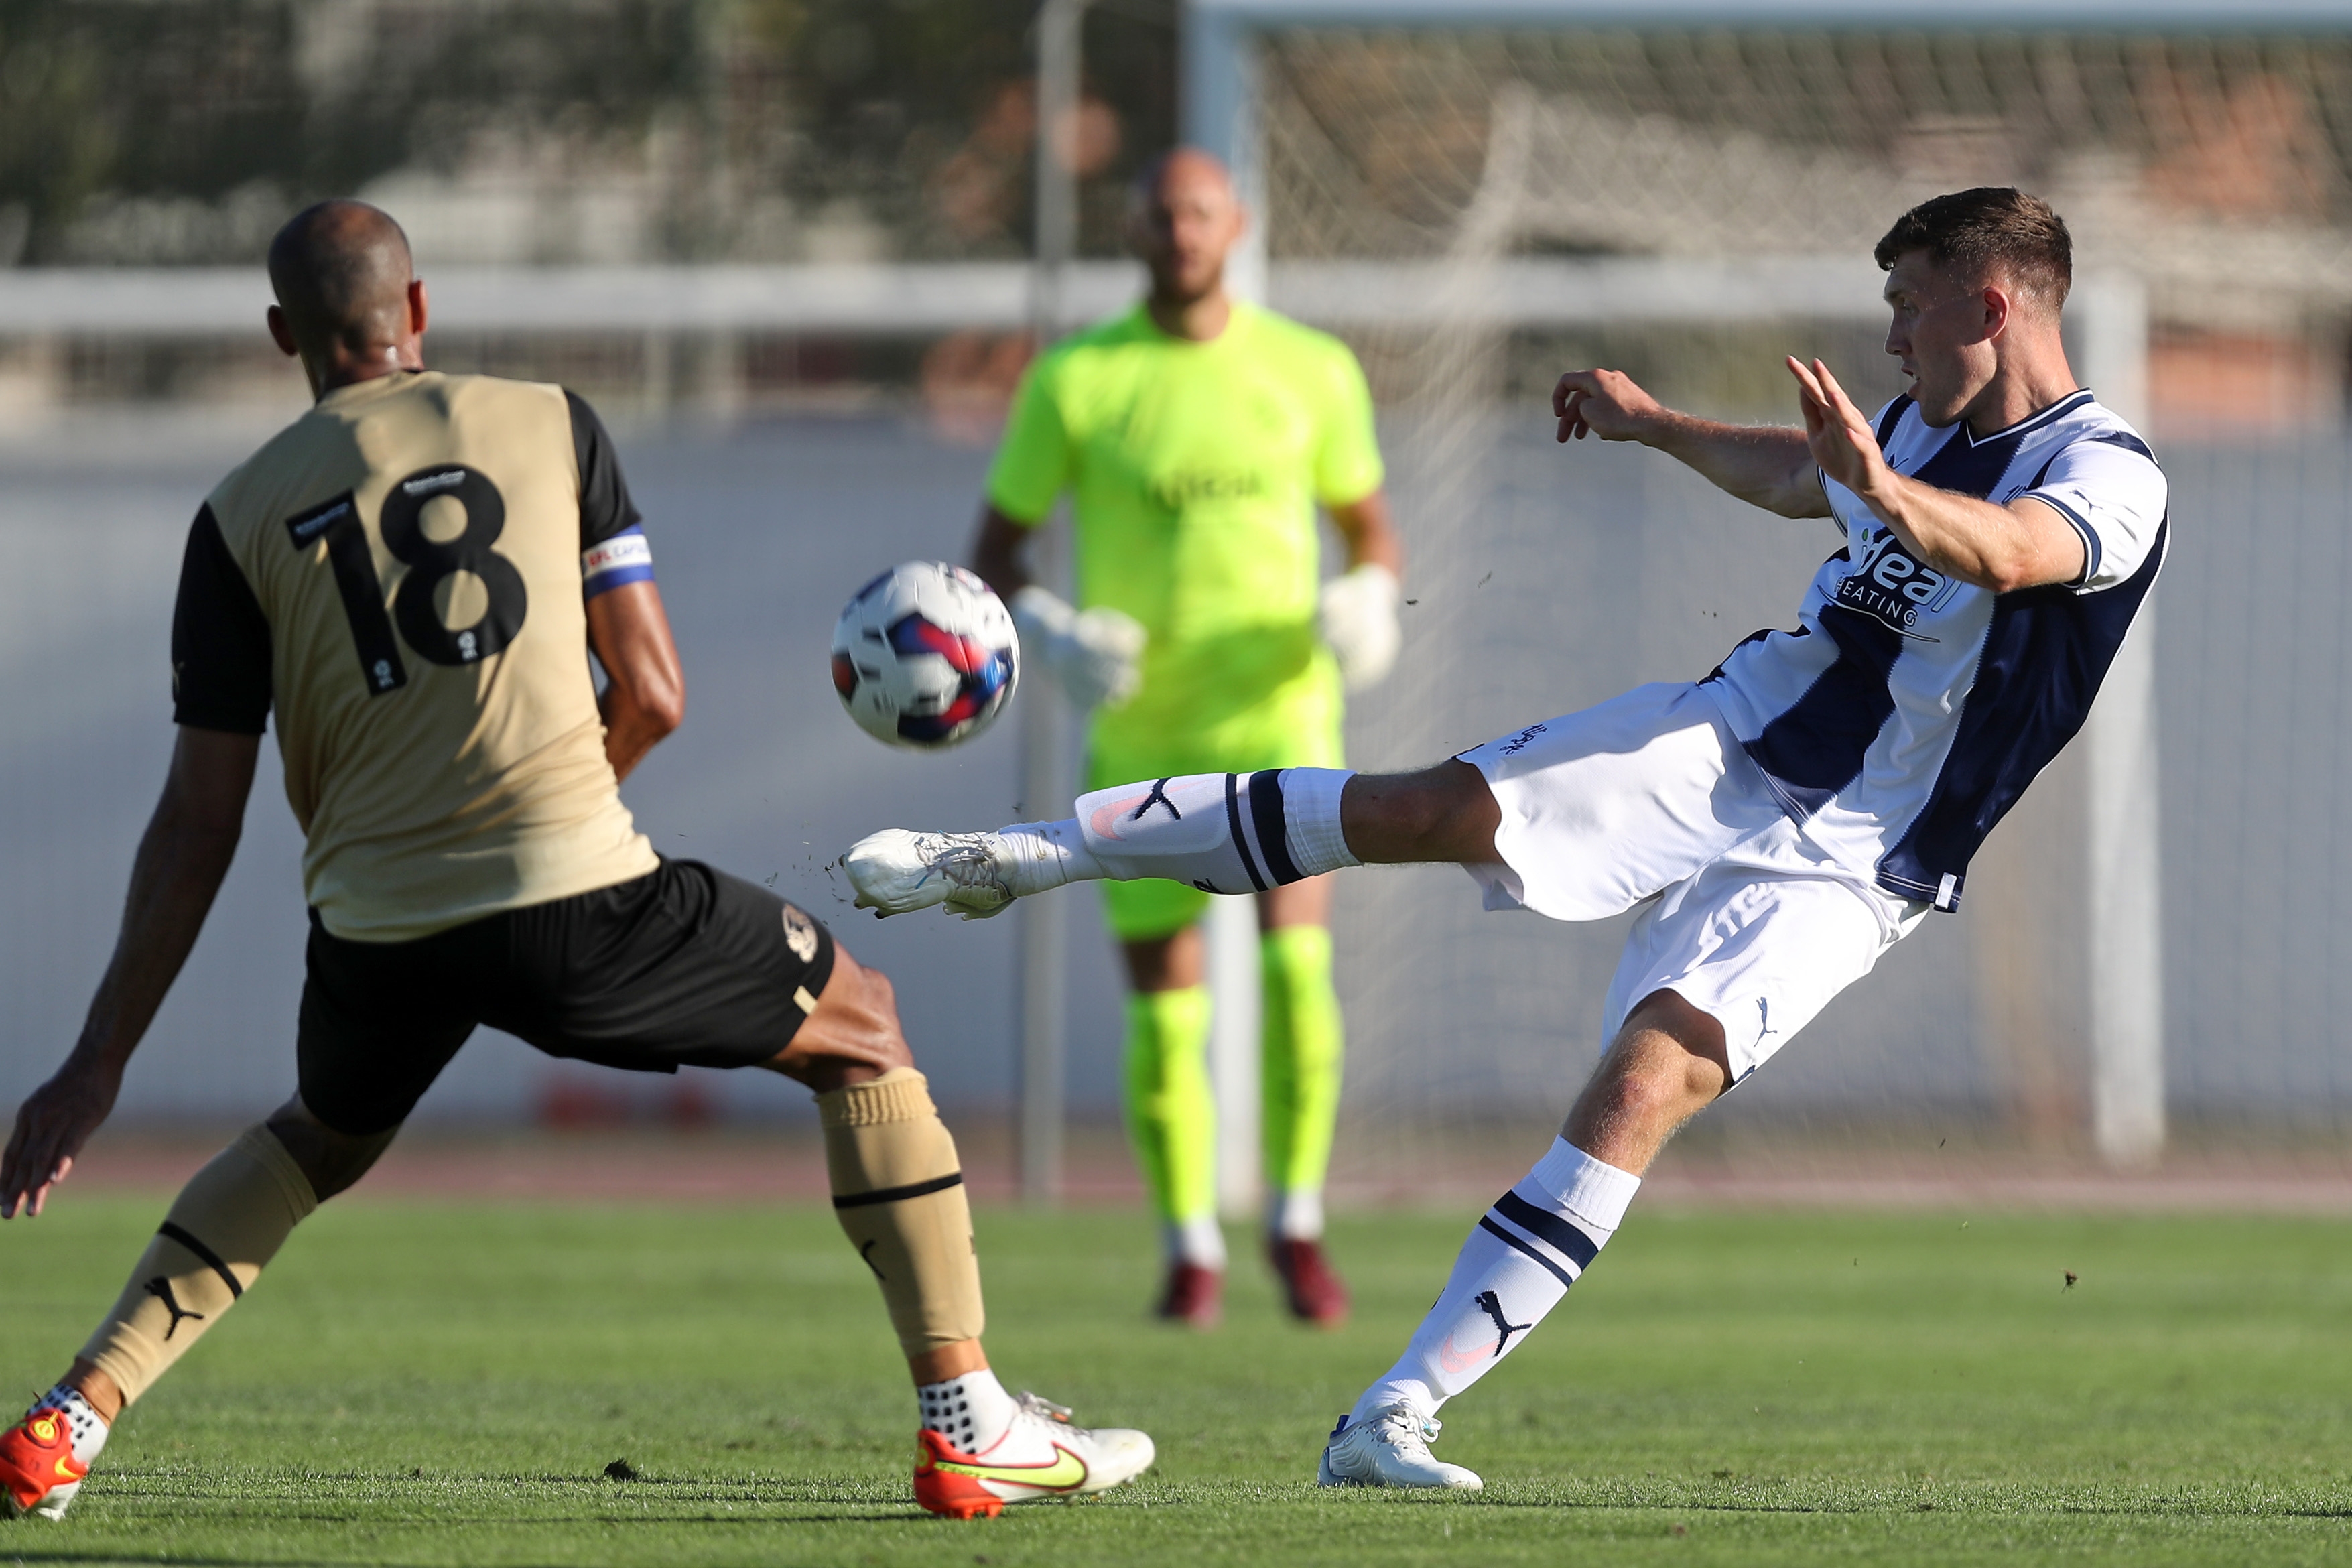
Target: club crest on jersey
{"points": [[1887, 585], [800, 935]]}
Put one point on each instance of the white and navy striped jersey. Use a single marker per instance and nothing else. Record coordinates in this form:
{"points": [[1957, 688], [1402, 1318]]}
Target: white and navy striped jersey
{"points": [[1908, 709]]}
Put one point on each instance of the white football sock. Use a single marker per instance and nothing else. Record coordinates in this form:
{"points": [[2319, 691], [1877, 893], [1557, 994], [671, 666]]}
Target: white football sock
{"points": [[1535, 1243], [87, 1426], [1199, 1241], [1310, 818], [971, 1412], [1296, 1215], [1222, 833], [1036, 855]]}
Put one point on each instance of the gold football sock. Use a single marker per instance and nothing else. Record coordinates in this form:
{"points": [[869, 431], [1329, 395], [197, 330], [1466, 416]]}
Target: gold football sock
{"points": [[227, 1224], [897, 1191]]}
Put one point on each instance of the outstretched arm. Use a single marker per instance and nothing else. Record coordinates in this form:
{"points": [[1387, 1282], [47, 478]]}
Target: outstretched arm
{"points": [[1761, 464], [644, 698], [189, 844], [2024, 544]]}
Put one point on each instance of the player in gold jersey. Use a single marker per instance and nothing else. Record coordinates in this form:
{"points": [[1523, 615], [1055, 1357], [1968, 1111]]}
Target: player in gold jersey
{"points": [[413, 575]]}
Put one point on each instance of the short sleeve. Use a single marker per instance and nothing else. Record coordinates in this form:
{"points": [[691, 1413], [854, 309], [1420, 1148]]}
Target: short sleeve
{"points": [[1347, 460], [605, 507], [1033, 464], [2111, 493], [220, 639]]}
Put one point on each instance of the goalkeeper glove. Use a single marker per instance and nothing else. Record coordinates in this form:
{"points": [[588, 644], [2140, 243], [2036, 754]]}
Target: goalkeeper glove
{"points": [[1095, 655], [1358, 618]]}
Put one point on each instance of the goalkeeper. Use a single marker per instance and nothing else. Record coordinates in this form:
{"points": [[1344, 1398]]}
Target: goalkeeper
{"points": [[1196, 435]]}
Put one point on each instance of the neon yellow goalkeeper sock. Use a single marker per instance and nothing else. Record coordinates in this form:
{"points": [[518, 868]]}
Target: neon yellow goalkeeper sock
{"points": [[1172, 1117], [1301, 1044]]}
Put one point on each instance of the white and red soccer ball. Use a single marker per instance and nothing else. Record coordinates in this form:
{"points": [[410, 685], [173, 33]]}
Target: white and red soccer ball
{"points": [[925, 655]]}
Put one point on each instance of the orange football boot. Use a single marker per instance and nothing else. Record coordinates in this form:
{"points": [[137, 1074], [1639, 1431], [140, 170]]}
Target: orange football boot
{"points": [[1040, 1456], [38, 1472]]}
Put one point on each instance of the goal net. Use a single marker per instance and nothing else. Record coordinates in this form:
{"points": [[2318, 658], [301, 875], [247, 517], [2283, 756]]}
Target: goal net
{"points": [[1476, 211]]}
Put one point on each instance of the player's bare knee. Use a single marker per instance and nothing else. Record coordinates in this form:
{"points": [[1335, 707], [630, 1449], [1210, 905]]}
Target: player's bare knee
{"points": [[1666, 1092], [1445, 813], [887, 1039], [853, 1033], [879, 1004], [881, 996]]}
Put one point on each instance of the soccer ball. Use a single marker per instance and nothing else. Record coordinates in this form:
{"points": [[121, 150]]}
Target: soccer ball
{"points": [[925, 655]]}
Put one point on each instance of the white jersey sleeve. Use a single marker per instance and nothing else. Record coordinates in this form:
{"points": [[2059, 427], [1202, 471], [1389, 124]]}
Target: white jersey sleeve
{"points": [[2110, 491]]}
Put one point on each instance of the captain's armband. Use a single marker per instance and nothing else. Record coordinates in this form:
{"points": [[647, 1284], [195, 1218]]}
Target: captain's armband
{"points": [[623, 559]]}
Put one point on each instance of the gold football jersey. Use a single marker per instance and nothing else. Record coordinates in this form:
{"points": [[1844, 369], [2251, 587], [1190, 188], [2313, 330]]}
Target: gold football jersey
{"points": [[400, 573]]}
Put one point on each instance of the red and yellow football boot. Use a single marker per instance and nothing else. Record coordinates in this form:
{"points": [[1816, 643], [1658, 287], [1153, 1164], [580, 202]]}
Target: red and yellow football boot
{"points": [[39, 1471], [1040, 1456]]}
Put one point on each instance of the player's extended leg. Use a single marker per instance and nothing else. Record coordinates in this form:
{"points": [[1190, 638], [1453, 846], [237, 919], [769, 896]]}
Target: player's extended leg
{"points": [[1172, 1116], [1300, 1040], [897, 1191], [226, 1225], [1223, 833]]}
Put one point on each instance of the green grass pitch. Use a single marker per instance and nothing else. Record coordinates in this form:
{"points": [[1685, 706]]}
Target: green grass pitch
{"points": [[416, 1382]]}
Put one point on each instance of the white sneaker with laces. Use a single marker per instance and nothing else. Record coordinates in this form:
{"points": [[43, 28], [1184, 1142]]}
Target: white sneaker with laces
{"points": [[897, 871], [1389, 1448]]}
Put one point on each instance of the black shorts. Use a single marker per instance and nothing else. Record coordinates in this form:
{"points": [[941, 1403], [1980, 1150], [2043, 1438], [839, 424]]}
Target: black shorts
{"points": [[687, 967]]}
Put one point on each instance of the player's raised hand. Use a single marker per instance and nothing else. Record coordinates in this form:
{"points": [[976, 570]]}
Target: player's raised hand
{"points": [[52, 1125], [1842, 441], [1603, 403]]}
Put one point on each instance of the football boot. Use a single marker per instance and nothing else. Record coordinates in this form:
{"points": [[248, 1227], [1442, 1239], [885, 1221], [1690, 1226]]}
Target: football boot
{"points": [[45, 1456], [1389, 1448], [1310, 1287], [1193, 1296], [1040, 1456], [896, 871]]}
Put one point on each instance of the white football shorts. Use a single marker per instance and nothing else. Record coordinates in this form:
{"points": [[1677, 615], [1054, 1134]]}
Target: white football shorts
{"points": [[1648, 799]]}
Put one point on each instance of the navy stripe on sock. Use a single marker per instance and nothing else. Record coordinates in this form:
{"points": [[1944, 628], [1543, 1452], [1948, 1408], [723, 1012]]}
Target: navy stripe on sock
{"points": [[1272, 837], [901, 1194], [1498, 1233], [1233, 825], [1572, 1243], [204, 1254]]}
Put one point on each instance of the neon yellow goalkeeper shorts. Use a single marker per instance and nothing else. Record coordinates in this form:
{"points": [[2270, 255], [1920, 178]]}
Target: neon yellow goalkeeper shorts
{"points": [[1139, 911]]}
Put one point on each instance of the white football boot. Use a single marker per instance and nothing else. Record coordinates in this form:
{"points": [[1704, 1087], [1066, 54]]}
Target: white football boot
{"points": [[897, 871], [1389, 1448], [1040, 1456]]}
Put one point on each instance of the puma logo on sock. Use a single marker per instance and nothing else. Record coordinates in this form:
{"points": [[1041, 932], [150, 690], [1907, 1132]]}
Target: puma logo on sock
{"points": [[161, 1289], [1492, 1305], [1159, 796]]}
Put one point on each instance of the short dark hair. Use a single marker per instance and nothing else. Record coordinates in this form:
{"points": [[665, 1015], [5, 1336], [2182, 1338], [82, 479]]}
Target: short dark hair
{"points": [[1990, 228]]}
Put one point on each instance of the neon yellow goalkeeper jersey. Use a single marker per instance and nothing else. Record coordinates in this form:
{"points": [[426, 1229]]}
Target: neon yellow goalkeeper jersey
{"points": [[1195, 470]]}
